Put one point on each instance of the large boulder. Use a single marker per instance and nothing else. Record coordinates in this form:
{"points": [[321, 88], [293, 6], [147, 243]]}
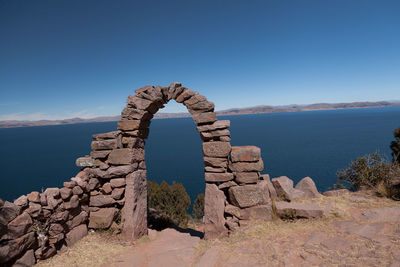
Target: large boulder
{"points": [[13, 248], [292, 210], [307, 185], [248, 195], [8, 212], [245, 153], [103, 218], [284, 187], [75, 234], [19, 226], [214, 205], [27, 260]]}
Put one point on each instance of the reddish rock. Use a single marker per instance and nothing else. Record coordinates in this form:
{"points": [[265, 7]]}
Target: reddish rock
{"points": [[22, 201], [70, 184], [218, 177], [216, 149], [246, 166], [126, 156], [214, 206], [19, 226], [214, 134], [262, 212], [133, 142], [218, 125], [72, 203], [206, 117], [106, 188], [227, 185], [235, 211], [77, 190], [117, 182], [8, 212], [139, 103], [202, 106], [224, 138], [65, 192], [94, 183], [101, 154], [43, 199], [284, 187], [84, 162], [135, 114], [101, 201], [53, 192], [61, 216], [13, 248], [102, 218], [196, 98], [134, 213], [117, 193], [75, 234], [247, 195], [27, 260], [142, 133], [34, 209], [271, 188], [298, 210], [45, 252], [104, 144], [120, 171], [216, 162], [246, 177], [55, 229], [307, 185], [213, 169], [34, 197], [108, 135], [186, 94], [245, 153], [81, 218]]}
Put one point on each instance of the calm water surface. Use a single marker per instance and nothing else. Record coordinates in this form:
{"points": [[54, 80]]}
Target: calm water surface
{"points": [[300, 144]]}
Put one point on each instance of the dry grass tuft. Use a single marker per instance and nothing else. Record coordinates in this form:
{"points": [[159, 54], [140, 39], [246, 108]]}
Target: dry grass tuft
{"points": [[93, 250]]}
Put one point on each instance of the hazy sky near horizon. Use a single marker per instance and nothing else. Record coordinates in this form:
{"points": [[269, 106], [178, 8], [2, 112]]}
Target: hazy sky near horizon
{"points": [[81, 58]]}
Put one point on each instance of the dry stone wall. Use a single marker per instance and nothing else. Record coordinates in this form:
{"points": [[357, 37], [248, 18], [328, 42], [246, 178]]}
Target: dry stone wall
{"points": [[111, 189]]}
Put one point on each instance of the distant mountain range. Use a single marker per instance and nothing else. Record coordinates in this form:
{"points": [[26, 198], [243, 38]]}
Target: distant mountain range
{"points": [[233, 111]]}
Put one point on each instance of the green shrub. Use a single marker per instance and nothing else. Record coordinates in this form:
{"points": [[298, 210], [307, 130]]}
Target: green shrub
{"points": [[395, 146], [198, 207], [171, 200], [371, 172]]}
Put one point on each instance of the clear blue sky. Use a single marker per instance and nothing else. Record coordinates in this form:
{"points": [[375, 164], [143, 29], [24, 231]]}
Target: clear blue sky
{"points": [[68, 58]]}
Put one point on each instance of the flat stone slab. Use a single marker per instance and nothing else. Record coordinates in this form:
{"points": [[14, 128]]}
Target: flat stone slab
{"points": [[290, 210]]}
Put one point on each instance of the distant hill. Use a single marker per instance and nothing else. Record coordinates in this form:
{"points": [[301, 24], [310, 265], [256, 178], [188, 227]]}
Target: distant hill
{"points": [[233, 111]]}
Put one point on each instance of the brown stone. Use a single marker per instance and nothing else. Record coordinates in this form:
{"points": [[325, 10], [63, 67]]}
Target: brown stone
{"points": [[218, 125], [55, 229], [216, 149], [134, 213], [84, 162], [101, 201], [22, 201], [34, 197], [106, 188], [43, 199], [77, 190], [102, 218], [186, 94], [12, 248], [108, 135], [27, 260], [126, 156], [262, 212], [284, 187], [120, 170], [218, 177], [70, 184], [271, 188], [75, 234], [202, 106], [139, 103], [214, 206], [246, 177], [104, 144], [206, 117], [34, 209], [77, 220], [290, 210], [65, 192], [247, 195], [133, 113], [307, 185], [117, 193], [101, 154], [129, 125], [214, 134], [246, 166], [216, 162], [237, 212], [196, 98], [245, 153], [117, 182], [213, 169], [61, 216], [133, 142], [224, 139], [19, 226], [72, 203], [227, 185], [142, 133], [94, 183]]}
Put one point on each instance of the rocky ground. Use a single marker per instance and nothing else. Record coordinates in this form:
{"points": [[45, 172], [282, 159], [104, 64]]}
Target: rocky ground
{"points": [[359, 229]]}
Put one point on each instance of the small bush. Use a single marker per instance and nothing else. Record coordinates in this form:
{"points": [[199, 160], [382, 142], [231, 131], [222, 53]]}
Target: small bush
{"points": [[172, 201], [198, 207], [371, 172], [395, 146]]}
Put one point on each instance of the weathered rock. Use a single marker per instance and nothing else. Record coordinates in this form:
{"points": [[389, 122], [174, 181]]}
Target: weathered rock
{"points": [[104, 144], [139, 103], [247, 195], [129, 125], [101, 201], [65, 192], [61, 216], [34, 197], [53, 192], [133, 142], [262, 212], [34, 209], [214, 134], [216, 162], [214, 205], [106, 188], [94, 183], [284, 187], [227, 185], [22, 201], [117, 182], [120, 170], [45, 252], [72, 203], [77, 190], [102, 218], [235, 211], [218, 125], [246, 166], [218, 177], [307, 185], [213, 169], [27, 260], [108, 135], [75, 234], [271, 188], [55, 229], [216, 149], [142, 133], [206, 117], [100, 154], [117, 193], [43, 199], [224, 139], [245, 153], [246, 177], [70, 184], [13, 248], [339, 192], [196, 98], [292, 210], [134, 213], [125, 156], [186, 94], [135, 114], [81, 218], [84, 162], [19, 226]]}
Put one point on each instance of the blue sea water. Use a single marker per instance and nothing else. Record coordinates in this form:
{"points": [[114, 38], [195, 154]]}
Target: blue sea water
{"points": [[313, 143]]}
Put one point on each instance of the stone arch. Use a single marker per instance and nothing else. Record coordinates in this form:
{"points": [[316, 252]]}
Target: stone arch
{"points": [[134, 129]]}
